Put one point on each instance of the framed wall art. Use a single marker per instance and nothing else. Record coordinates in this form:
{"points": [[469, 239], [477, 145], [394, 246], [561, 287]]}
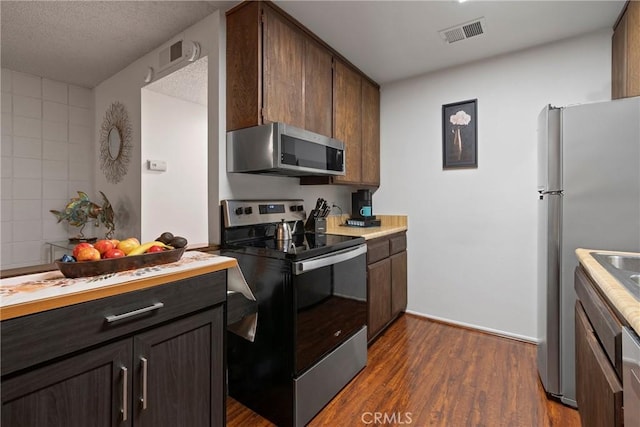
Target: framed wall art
{"points": [[460, 135]]}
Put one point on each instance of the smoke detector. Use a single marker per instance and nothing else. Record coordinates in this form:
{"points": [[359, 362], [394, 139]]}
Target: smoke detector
{"points": [[463, 31]]}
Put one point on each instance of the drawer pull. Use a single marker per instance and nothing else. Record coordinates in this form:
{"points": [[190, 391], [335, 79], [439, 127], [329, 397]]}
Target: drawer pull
{"points": [[143, 399], [124, 392], [115, 317]]}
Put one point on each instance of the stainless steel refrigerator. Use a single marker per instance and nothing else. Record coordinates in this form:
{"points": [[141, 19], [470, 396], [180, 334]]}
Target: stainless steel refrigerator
{"points": [[589, 197]]}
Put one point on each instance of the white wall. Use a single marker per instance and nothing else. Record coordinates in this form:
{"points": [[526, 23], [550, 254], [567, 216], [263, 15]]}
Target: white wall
{"points": [[47, 129], [472, 233], [174, 131], [125, 87]]}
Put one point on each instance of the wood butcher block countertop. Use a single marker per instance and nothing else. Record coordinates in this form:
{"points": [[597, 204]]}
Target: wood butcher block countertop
{"points": [[33, 293], [623, 301], [390, 224]]}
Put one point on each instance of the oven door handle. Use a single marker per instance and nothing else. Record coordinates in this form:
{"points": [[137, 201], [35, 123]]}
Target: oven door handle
{"points": [[305, 266]]}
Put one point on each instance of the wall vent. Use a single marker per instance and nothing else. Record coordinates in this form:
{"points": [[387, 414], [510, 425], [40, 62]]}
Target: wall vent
{"points": [[463, 31]]}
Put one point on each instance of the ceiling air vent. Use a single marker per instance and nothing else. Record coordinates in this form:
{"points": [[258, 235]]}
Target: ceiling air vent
{"points": [[463, 31]]}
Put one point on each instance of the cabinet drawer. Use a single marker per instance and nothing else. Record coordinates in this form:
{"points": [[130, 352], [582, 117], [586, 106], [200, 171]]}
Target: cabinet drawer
{"points": [[377, 249], [398, 243], [29, 340], [598, 389], [604, 322]]}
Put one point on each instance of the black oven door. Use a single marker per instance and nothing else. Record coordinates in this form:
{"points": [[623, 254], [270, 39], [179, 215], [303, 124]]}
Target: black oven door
{"points": [[330, 293]]}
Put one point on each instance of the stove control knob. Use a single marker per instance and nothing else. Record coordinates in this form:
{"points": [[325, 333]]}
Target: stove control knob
{"points": [[299, 208], [238, 211], [248, 210], [292, 208]]}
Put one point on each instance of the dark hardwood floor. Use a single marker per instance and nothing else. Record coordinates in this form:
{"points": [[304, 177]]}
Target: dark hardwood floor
{"points": [[426, 373]]}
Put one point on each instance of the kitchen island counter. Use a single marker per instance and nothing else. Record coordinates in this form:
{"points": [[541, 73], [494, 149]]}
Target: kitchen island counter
{"points": [[390, 224], [617, 295], [34, 293]]}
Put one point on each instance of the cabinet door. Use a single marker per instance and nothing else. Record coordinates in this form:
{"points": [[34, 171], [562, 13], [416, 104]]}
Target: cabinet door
{"points": [[398, 283], [370, 134], [180, 373], [378, 296], [619, 60], [633, 48], [347, 120], [283, 79], [244, 66], [89, 389], [598, 389], [318, 85]]}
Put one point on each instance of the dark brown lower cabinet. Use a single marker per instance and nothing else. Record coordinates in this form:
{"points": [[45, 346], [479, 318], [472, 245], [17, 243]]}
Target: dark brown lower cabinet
{"points": [[84, 390], [386, 281], [163, 368], [597, 352], [598, 389]]}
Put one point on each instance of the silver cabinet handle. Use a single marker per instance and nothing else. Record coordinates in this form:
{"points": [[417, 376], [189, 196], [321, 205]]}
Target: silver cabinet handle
{"points": [[143, 399], [115, 317], [125, 375]]}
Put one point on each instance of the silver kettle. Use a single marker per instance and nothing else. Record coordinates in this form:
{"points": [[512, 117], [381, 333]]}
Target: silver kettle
{"points": [[283, 231]]}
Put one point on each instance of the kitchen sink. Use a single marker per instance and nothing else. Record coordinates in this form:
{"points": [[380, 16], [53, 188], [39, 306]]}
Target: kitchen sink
{"points": [[625, 268]]}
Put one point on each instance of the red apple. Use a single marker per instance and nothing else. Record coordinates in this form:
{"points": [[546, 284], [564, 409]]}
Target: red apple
{"points": [[103, 246], [88, 254], [115, 242], [79, 246], [155, 248], [113, 253]]}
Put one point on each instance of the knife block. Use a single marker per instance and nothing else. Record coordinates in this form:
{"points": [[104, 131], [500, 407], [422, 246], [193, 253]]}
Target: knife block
{"points": [[316, 225]]}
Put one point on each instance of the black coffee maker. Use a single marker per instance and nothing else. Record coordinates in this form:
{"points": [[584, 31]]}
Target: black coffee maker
{"points": [[362, 210]]}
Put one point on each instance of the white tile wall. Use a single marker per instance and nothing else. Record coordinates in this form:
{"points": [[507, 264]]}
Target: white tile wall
{"points": [[26, 84], [55, 150], [6, 144], [27, 168], [55, 112], [80, 97], [6, 80], [27, 147], [26, 126], [27, 189], [55, 91], [55, 131], [55, 169], [27, 107], [47, 155], [6, 102], [54, 190]]}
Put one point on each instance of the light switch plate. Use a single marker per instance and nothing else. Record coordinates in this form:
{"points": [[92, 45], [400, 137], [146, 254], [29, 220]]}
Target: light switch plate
{"points": [[157, 165]]}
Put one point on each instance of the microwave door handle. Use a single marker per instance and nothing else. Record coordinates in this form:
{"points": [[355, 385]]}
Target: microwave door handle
{"points": [[305, 266]]}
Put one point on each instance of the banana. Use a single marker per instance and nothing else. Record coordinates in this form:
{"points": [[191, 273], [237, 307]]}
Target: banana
{"points": [[145, 246]]}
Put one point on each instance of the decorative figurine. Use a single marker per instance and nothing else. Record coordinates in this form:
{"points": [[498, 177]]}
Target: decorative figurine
{"points": [[80, 210]]}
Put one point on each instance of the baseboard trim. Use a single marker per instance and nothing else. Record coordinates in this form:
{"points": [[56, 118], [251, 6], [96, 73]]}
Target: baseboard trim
{"points": [[490, 331]]}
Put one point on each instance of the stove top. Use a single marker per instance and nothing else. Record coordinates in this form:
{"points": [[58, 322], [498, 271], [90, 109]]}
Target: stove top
{"points": [[302, 246], [249, 227]]}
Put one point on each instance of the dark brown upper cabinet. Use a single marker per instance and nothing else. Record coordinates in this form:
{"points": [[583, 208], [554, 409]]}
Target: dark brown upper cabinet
{"points": [[625, 53], [275, 72], [278, 71]]}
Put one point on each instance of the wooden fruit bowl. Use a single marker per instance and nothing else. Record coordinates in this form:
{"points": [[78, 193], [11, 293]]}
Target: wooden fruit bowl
{"points": [[114, 265]]}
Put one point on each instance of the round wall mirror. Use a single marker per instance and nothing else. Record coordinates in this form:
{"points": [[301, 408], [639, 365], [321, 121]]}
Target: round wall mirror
{"points": [[115, 143]]}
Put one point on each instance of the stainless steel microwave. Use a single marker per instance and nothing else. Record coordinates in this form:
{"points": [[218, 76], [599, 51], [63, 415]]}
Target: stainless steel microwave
{"points": [[281, 149]]}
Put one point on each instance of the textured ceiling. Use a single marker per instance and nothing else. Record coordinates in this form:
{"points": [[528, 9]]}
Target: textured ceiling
{"points": [[86, 42], [188, 83]]}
